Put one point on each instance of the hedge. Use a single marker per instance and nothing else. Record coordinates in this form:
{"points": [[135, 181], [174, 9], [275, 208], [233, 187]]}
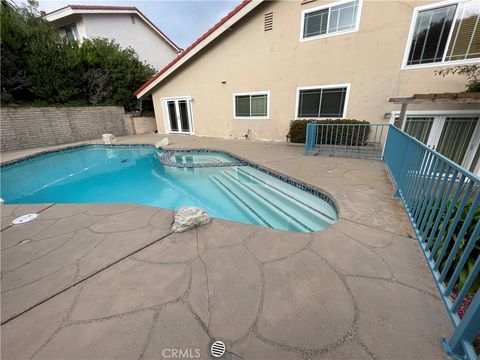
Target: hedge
{"points": [[298, 129]]}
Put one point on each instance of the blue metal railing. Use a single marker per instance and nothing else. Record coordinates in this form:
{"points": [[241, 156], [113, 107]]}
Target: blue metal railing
{"points": [[442, 200], [357, 140]]}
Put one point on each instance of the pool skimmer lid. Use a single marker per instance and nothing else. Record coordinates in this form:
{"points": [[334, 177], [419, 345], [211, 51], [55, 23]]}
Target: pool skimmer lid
{"points": [[218, 349], [24, 219]]}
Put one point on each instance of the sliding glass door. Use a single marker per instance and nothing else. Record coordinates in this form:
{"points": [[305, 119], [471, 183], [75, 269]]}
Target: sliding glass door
{"points": [[455, 136], [419, 127]]}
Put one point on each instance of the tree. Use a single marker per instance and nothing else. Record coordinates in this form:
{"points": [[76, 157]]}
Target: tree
{"points": [[39, 65], [471, 72], [125, 71]]}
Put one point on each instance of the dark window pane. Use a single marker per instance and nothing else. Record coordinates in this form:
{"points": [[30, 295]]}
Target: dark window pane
{"points": [[182, 105], [259, 105], [456, 136], [242, 105], [333, 102], [419, 127], [172, 115], [430, 35], [309, 103], [70, 32], [315, 23]]}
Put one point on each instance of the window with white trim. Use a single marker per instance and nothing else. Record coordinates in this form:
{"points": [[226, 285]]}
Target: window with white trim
{"points": [[251, 105], [327, 102], [338, 17], [70, 32], [445, 33]]}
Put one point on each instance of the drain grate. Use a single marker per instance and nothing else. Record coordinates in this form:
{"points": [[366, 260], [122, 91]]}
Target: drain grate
{"points": [[24, 219], [217, 349]]}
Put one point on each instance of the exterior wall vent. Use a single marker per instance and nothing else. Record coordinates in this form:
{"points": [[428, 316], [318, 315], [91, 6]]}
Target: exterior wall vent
{"points": [[268, 23]]}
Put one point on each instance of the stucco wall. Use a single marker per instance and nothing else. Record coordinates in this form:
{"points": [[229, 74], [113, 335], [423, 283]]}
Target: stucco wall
{"points": [[135, 125], [249, 59], [142, 38], [22, 128], [144, 124]]}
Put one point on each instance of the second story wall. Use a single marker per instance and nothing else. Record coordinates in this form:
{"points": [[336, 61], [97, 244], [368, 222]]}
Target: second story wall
{"points": [[247, 59], [130, 31]]}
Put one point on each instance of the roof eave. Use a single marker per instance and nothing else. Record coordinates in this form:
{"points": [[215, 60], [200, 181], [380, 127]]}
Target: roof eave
{"points": [[70, 10], [213, 33]]}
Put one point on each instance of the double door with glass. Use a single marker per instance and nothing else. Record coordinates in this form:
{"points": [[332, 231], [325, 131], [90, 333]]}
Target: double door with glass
{"points": [[178, 115], [456, 137]]}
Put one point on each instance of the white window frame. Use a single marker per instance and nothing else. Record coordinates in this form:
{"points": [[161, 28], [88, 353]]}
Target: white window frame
{"points": [[329, 86], [322, 7], [437, 127], [166, 118], [413, 22], [251, 117]]}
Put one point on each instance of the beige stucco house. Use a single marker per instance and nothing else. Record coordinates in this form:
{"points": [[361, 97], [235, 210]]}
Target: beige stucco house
{"points": [[127, 25], [269, 62]]}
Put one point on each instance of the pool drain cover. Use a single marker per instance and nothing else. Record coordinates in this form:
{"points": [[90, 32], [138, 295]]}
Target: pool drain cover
{"points": [[218, 349], [24, 219]]}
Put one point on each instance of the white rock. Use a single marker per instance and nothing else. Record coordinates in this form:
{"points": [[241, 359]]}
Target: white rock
{"points": [[161, 143], [188, 218], [109, 139]]}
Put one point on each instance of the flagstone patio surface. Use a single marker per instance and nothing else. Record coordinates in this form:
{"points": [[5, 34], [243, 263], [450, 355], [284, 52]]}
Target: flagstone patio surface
{"points": [[97, 281]]}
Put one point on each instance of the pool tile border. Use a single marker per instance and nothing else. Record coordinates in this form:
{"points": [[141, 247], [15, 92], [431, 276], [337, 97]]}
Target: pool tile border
{"points": [[166, 159], [65, 149], [289, 180]]}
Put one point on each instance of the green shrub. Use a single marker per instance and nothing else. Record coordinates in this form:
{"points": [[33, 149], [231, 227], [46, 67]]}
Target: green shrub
{"points": [[39, 66], [335, 135]]}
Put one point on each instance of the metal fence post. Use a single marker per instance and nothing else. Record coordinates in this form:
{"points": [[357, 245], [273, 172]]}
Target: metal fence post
{"points": [[458, 345], [435, 192]]}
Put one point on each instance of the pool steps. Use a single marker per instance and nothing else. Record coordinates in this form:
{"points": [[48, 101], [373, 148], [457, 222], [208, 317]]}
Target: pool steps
{"points": [[260, 200], [278, 187], [247, 209], [250, 204]]}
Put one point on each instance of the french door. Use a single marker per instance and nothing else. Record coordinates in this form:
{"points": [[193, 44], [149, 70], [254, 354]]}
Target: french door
{"points": [[455, 136], [178, 115]]}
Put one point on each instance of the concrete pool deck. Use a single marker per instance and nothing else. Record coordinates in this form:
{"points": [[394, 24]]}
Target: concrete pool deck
{"points": [[112, 281]]}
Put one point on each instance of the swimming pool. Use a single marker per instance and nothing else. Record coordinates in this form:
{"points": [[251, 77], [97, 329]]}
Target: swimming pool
{"points": [[135, 174]]}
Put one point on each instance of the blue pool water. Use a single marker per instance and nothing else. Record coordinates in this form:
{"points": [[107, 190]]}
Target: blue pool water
{"points": [[134, 174]]}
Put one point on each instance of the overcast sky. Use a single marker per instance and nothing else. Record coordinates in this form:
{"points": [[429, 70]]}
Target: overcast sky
{"points": [[182, 21]]}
